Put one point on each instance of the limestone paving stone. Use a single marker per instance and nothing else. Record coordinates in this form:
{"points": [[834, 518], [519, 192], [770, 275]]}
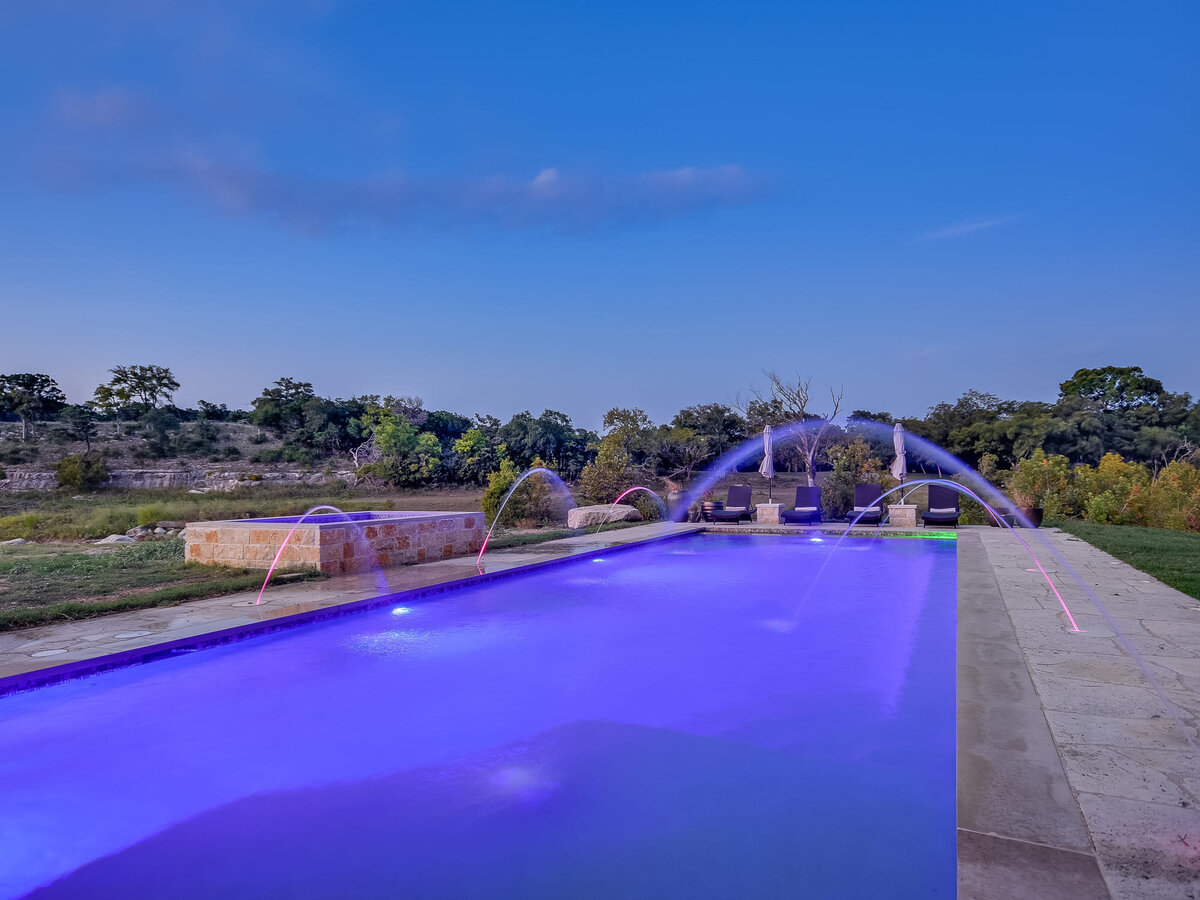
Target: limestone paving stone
{"points": [[1128, 762]]}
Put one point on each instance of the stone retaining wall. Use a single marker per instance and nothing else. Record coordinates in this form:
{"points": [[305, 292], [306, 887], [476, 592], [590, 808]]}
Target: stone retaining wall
{"points": [[390, 539]]}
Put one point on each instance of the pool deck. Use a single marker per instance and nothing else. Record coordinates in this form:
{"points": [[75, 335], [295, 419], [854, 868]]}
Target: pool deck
{"points": [[1073, 778]]}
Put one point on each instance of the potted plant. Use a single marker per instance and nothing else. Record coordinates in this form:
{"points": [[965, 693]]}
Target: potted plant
{"points": [[1037, 480]]}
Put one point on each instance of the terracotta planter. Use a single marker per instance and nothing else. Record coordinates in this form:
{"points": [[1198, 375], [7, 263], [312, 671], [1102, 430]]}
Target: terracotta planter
{"points": [[1033, 514]]}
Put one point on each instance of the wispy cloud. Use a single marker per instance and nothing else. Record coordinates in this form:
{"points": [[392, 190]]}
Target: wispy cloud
{"points": [[550, 199], [970, 226], [103, 108]]}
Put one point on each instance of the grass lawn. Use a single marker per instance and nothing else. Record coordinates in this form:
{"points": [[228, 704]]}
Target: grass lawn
{"points": [[1173, 557], [43, 583], [54, 516], [57, 578]]}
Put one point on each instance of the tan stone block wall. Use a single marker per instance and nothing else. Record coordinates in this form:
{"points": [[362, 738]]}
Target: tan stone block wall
{"points": [[336, 549]]}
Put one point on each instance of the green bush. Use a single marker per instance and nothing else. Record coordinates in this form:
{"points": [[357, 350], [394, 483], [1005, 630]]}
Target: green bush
{"points": [[498, 484], [12, 527], [150, 515], [608, 475], [1044, 481], [851, 464], [85, 472], [103, 522]]}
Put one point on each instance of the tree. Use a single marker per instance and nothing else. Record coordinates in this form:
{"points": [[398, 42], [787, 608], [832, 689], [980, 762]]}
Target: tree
{"points": [[29, 396], [145, 385], [212, 411], [792, 401], [679, 451], [80, 422], [405, 456], [281, 408], [477, 456], [112, 401], [632, 429], [716, 424], [1113, 388]]}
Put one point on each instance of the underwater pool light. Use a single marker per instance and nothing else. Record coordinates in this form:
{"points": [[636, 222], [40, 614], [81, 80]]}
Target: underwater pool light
{"points": [[401, 611]]}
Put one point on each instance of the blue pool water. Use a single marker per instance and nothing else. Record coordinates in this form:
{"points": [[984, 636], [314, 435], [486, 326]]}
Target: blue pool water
{"points": [[334, 518], [672, 721]]}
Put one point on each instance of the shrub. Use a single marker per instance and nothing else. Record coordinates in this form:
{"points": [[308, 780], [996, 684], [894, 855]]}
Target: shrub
{"points": [[85, 472], [608, 474], [851, 464], [1044, 481], [150, 515], [535, 502], [498, 484], [106, 521], [12, 527]]}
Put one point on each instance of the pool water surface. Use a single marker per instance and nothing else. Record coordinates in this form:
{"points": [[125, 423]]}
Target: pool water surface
{"points": [[691, 718]]}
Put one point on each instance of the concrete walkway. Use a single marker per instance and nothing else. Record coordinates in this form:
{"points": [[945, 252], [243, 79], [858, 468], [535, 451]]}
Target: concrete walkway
{"points": [[1121, 765]]}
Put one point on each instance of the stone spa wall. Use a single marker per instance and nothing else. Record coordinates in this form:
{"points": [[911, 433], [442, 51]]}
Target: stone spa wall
{"points": [[337, 547]]}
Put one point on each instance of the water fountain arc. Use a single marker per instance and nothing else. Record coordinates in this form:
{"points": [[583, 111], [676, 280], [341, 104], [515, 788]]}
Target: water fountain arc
{"points": [[384, 586], [909, 485], [981, 487], [554, 479], [637, 487]]}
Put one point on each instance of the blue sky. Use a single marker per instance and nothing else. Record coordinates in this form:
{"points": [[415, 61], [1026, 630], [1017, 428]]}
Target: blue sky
{"points": [[509, 206]]}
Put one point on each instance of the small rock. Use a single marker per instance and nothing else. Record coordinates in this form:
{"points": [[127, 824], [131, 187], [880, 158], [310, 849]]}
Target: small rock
{"points": [[183, 533], [160, 530], [171, 532], [13, 541], [116, 539], [197, 492]]}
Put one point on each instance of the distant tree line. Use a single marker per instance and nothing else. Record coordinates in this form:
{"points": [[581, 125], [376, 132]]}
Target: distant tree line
{"points": [[1098, 413]]}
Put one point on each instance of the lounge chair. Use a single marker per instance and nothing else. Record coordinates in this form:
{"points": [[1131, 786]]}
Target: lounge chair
{"points": [[808, 507], [737, 507], [867, 502], [943, 506]]}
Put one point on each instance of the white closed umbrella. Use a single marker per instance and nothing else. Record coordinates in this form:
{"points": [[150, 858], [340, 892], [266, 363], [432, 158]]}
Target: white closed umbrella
{"points": [[899, 466], [767, 469]]}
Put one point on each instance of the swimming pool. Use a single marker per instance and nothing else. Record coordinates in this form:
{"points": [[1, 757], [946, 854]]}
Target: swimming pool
{"points": [[680, 719]]}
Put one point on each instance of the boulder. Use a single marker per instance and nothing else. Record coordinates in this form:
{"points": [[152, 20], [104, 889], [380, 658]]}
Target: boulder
{"points": [[584, 516], [13, 541], [116, 539]]}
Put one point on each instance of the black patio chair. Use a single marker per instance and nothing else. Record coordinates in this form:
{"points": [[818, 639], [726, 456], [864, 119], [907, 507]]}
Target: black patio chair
{"points": [[867, 502], [808, 507], [737, 507], [943, 507]]}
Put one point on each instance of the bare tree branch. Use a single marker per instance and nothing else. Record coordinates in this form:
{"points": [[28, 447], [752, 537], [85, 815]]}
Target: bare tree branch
{"points": [[789, 402]]}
